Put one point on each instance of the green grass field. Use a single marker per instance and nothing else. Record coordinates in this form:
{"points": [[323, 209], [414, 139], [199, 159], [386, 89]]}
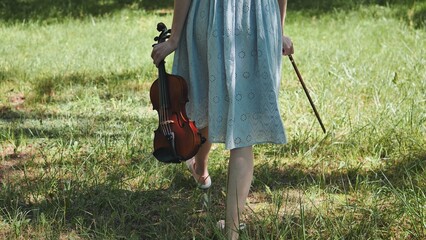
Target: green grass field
{"points": [[76, 128]]}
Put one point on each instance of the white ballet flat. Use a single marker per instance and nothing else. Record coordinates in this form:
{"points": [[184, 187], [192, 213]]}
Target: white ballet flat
{"points": [[198, 179]]}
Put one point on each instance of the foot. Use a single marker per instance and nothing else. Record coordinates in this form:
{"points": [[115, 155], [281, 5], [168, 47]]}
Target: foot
{"points": [[203, 182]]}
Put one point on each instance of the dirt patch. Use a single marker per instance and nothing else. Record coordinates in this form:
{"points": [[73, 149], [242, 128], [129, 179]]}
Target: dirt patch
{"points": [[285, 203], [17, 99], [13, 158]]}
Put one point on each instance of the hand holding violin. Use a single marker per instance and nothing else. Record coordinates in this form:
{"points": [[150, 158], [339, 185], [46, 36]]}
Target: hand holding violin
{"points": [[176, 138], [161, 50]]}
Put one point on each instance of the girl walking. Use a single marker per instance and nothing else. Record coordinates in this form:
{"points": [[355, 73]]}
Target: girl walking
{"points": [[230, 53]]}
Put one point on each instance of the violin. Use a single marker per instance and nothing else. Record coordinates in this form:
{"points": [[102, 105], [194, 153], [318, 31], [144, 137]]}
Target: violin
{"points": [[177, 138]]}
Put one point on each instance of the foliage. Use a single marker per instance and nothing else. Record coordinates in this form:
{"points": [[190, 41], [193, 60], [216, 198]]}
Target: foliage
{"points": [[55, 10], [24, 10]]}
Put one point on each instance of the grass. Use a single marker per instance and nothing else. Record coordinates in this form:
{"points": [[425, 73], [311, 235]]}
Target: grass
{"points": [[76, 133]]}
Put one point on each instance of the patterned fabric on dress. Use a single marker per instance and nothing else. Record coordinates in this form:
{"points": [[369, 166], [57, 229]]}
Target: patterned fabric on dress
{"points": [[230, 54]]}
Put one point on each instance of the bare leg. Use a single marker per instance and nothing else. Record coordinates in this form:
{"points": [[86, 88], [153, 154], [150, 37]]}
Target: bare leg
{"points": [[202, 157], [240, 175], [198, 164]]}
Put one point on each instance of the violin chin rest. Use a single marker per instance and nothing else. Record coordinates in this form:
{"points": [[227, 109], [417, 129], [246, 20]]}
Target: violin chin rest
{"points": [[166, 155]]}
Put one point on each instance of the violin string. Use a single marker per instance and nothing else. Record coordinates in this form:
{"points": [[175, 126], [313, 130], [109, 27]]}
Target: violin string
{"points": [[163, 115], [169, 130], [164, 104], [161, 92], [164, 121]]}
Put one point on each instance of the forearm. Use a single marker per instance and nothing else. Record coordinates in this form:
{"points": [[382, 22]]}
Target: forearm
{"points": [[181, 8], [283, 11], [162, 50]]}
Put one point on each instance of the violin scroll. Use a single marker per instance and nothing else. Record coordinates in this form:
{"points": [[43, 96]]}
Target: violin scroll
{"points": [[164, 35]]}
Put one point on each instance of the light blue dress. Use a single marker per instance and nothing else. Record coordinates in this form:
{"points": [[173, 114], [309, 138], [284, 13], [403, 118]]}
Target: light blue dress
{"points": [[230, 54]]}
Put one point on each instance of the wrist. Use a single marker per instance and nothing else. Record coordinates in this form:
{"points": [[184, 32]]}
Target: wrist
{"points": [[173, 41]]}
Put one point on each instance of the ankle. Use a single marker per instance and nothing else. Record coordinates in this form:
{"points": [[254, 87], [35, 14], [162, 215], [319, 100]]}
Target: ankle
{"points": [[200, 171]]}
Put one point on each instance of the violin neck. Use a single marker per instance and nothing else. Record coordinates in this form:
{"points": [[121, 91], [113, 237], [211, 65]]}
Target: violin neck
{"points": [[164, 90]]}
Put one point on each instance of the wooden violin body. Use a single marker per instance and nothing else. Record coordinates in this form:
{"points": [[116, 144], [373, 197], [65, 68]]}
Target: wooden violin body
{"points": [[177, 138]]}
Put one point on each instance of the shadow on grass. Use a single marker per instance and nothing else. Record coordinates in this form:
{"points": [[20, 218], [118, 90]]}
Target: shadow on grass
{"points": [[327, 5], [36, 10], [50, 88], [344, 180], [47, 89], [45, 126], [104, 210], [15, 10], [412, 11]]}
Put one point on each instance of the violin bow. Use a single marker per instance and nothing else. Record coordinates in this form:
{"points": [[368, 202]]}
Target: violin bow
{"points": [[306, 92]]}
